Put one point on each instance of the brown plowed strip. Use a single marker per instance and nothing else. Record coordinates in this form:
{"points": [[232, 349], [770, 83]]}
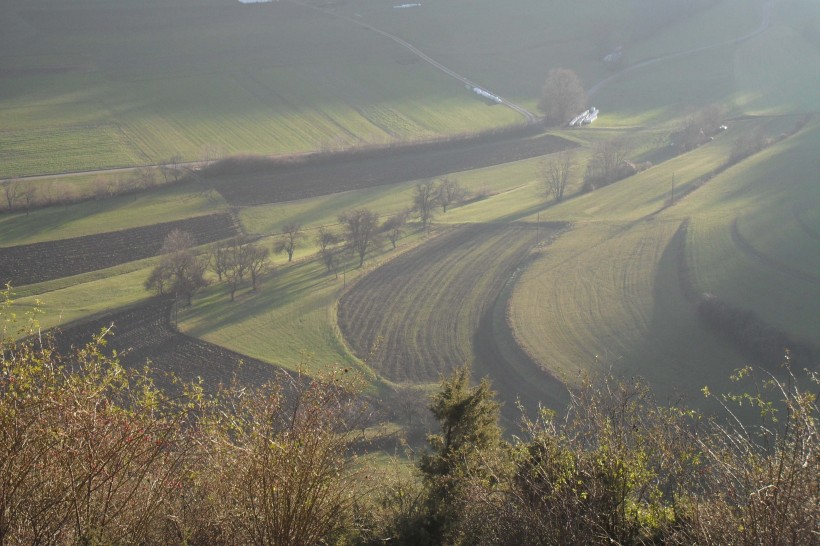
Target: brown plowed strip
{"points": [[38, 262], [143, 334], [256, 182]]}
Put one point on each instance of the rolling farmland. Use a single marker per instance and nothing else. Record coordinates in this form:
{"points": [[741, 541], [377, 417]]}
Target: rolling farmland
{"points": [[124, 85], [619, 290]]}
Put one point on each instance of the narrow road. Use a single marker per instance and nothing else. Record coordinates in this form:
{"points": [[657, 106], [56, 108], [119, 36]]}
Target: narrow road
{"points": [[765, 22], [529, 116]]}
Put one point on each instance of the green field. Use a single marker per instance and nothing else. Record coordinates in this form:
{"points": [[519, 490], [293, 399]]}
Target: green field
{"points": [[124, 85]]}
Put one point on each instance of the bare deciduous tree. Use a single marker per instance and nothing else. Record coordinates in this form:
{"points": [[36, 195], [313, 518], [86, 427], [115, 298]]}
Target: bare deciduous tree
{"points": [[450, 192], [555, 173], [27, 196], [180, 271], [361, 227], [562, 96], [327, 241], [11, 190], [258, 262], [425, 199], [291, 234], [394, 227], [607, 164]]}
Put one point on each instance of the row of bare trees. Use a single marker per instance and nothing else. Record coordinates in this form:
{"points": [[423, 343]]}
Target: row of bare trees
{"points": [[361, 229], [237, 259], [181, 271], [429, 195]]}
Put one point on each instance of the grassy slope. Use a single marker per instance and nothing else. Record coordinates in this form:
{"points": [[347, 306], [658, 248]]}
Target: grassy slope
{"points": [[91, 86], [90, 217], [609, 291]]}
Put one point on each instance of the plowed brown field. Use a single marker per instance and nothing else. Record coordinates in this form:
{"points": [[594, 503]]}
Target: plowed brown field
{"points": [[262, 182], [38, 262], [144, 334]]}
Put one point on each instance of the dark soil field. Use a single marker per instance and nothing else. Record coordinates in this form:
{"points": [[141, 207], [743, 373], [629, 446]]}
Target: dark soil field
{"points": [[257, 181], [144, 334], [38, 262], [423, 314]]}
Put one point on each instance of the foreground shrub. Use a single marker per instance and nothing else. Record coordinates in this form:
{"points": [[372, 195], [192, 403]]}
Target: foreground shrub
{"points": [[608, 472], [277, 467], [89, 452], [620, 468], [760, 483]]}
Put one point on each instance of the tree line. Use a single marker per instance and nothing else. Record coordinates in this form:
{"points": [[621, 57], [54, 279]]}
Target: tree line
{"points": [[181, 271]]}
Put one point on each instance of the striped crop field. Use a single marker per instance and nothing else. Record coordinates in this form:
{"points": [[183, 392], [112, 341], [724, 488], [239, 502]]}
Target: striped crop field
{"points": [[423, 314], [65, 148], [753, 238], [119, 84]]}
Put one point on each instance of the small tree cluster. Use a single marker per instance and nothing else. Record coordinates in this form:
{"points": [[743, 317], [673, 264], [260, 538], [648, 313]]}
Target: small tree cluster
{"points": [[237, 259], [328, 250], [748, 144], [361, 230], [180, 271], [17, 194], [698, 128], [429, 195], [450, 192], [607, 164]]}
